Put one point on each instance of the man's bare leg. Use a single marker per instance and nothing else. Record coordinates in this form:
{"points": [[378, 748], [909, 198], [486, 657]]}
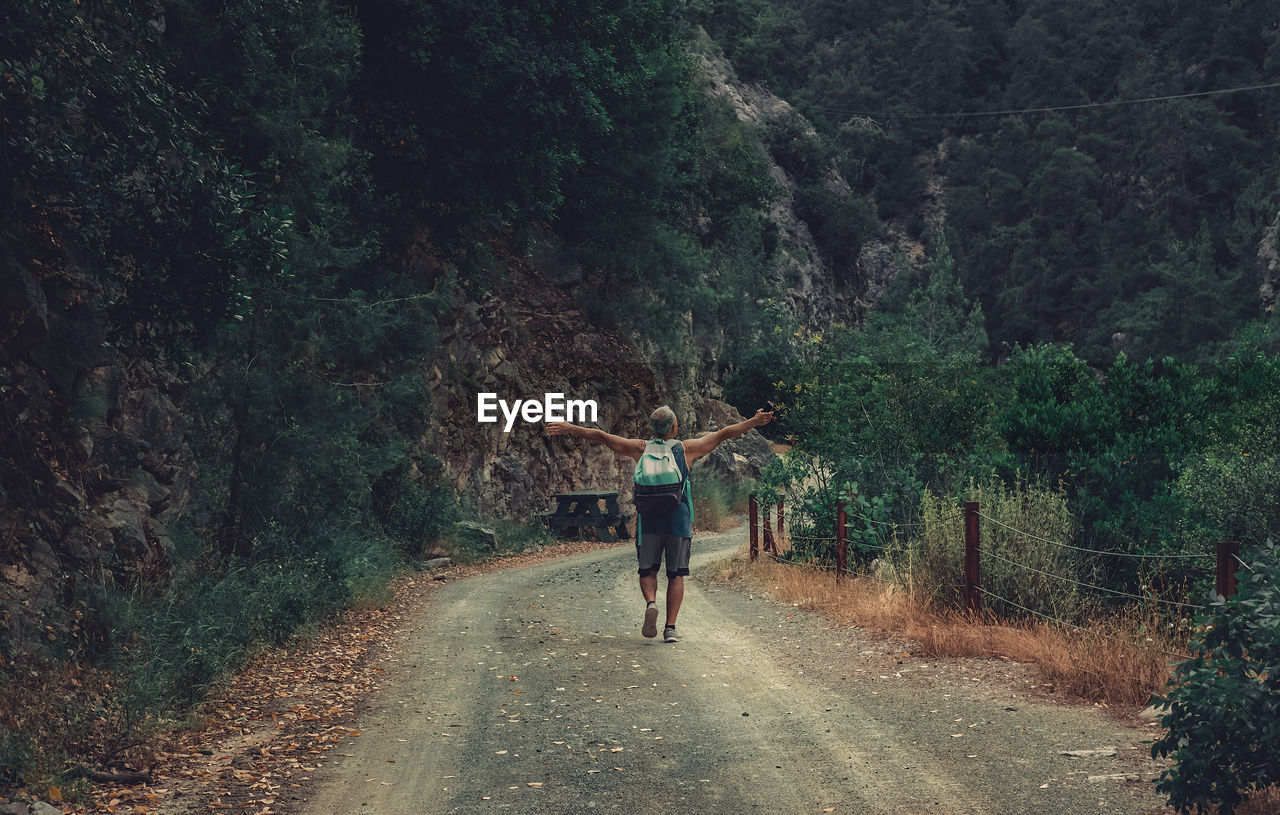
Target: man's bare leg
{"points": [[649, 587], [675, 595]]}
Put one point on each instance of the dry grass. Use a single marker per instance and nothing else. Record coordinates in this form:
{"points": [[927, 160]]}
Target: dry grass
{"points": [[1266, 802], [1108, 662]]}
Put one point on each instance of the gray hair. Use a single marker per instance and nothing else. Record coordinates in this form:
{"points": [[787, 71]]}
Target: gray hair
{"points": [[662, 420]]}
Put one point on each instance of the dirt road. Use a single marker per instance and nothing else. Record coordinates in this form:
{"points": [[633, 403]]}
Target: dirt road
{"points": [[531, 690]]}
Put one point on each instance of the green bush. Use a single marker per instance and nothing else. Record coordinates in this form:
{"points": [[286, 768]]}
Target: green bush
{"points": [[931, 563], [418, 513], [1223, 716], [1234, 495], [518, 536], [715, 498], [16, 756], [471, 541], [172, 646]]}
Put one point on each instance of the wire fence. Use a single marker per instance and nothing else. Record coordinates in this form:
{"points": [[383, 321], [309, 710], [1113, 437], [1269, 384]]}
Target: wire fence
{"points": [[1093, 586], [1092, 631], [876, 536], [1060, 544]]}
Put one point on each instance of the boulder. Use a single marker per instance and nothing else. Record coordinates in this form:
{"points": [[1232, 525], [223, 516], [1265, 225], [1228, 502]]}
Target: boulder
{"points": [[735, 459], [475, 537]]}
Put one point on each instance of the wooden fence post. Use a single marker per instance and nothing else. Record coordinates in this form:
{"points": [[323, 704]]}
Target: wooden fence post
{"points": [[766, 532], [971, 575], [842, 547], [1228, 552], [779, 519], [754, 548]]}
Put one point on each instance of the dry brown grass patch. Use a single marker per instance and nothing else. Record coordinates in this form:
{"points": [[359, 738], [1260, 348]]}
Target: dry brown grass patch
{"points": [[1106, 662], [1266, 802]]}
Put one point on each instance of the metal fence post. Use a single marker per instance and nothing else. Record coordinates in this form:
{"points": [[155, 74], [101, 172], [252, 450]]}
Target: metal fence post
{"points": [[842, 547], [1228, 552], [754, 548], [779, 519], [971, 576]]}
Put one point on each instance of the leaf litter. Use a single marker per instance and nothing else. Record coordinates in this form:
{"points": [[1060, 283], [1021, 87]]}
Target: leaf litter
{"points": [[266, 722], [272, 725]]}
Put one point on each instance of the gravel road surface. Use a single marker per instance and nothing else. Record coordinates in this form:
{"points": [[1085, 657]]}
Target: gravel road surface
{"points": [[530, 690]]}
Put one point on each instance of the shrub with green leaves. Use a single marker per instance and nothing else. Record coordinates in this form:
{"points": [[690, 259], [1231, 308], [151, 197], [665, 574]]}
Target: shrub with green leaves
{"points": [[716, 497], [1022, 558], [1224, 703]]}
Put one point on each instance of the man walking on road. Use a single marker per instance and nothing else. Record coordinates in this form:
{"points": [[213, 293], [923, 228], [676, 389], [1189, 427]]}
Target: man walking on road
{"points": [[667, 534]]}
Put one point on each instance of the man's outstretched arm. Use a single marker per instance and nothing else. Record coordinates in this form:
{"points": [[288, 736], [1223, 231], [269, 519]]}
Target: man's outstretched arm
{"points": [[631, 448], [696, 448]]}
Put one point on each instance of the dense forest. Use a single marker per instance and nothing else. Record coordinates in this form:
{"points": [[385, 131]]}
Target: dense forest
{"points": [[235, 235], [1074, 216], [231, 233]]}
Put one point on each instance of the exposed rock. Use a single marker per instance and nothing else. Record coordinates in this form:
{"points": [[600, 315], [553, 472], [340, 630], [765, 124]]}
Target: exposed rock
{"points": [[801, 269], [124, 521], [475, 537], [1152, 713], [437, 563], [544, 345], [99, 464], [1269, 266], [1097, 752], [735, 459]]}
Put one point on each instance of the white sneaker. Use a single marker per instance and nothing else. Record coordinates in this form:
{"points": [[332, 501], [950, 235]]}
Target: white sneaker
{"points": [[650, 629]]}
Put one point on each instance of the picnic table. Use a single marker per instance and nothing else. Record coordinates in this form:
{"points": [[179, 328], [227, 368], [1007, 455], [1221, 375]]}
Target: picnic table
{"points": [[577, 512]]}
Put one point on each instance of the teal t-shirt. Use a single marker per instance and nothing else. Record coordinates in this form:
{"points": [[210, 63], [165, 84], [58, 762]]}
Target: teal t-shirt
{"points": [[679, 522]]}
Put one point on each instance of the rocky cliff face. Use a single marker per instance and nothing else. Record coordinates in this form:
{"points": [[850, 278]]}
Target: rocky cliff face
{"points": [[538, 344], [812, 290], [95, 464], [801, 269], [1269, 267]]}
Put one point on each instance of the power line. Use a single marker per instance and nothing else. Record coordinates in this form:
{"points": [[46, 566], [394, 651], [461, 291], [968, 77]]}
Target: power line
{"points": [[1051, 109]]}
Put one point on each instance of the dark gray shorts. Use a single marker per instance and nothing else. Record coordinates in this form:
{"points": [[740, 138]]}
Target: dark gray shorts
{"points": [[651, 548]]}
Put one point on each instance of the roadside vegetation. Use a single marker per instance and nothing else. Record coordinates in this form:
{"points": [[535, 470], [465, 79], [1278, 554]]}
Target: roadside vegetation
{"points": [[267, 212], [262, 210], [1103, 493], [717, 501]]}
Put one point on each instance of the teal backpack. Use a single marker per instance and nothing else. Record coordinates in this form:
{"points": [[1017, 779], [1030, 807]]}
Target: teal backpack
{"points": [[659, 485]]}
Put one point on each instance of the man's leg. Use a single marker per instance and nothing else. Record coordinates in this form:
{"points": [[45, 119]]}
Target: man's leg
{"points": [[677, 552], [649, 555], [649, 587], [675, 595]]}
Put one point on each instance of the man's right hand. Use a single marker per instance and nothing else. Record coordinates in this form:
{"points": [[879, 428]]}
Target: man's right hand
{"points": [[560, 428], [761, 418]]}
